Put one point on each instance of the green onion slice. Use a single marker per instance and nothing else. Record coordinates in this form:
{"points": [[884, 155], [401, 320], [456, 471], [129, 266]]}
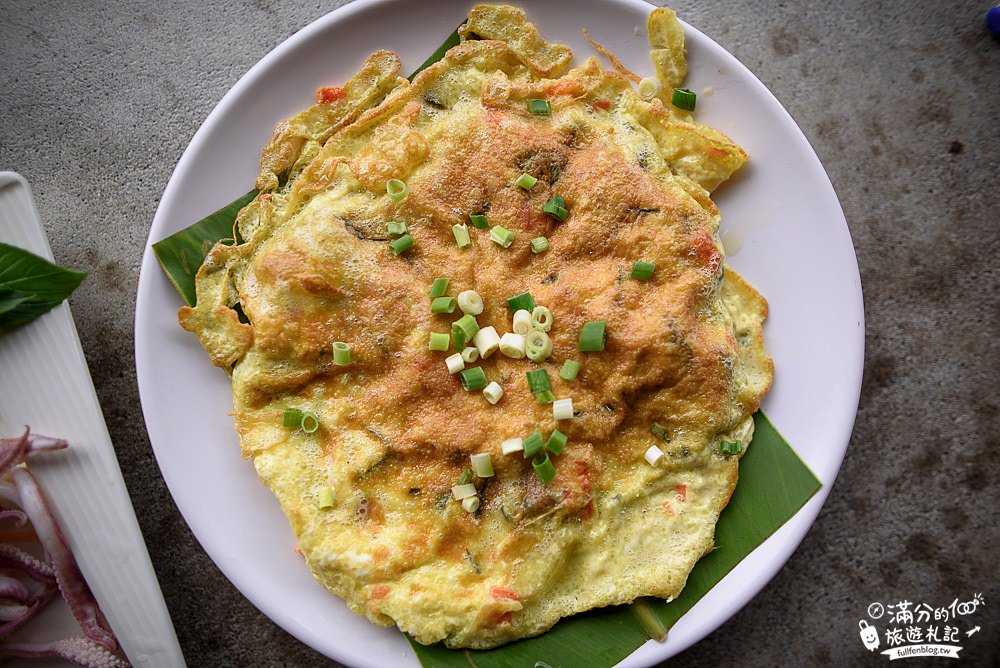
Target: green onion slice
{"points": [[325, 499], [649, 87], [292, 417], [341, 353], [470, 354], [659, 431], [463, 491], [501, 236], [401, 245], [537, 345], [473, 378], [462, 237], [533, 445], [544, 468], [541, 318], [683, 98], [467, 325], [397, 189], [642, 271], [538, 381], [438, 342], [443, 305], [539, 245], [592, 337], [395, 228], [556, 442], [470, 504], [526, 181], [465, 478], [482, 464], [479, 220], [522, 301], [310, 423], [730, 447], [570, 369], [439, 287], [556, 207], [540, 107], [470, 302]]}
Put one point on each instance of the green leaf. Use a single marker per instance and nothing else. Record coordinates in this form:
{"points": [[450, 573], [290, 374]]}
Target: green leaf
{"points": [[31, 285], [774, 485], [181, 254], [452, 40]]}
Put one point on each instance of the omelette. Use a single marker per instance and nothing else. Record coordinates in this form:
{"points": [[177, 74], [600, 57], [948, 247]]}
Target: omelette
{"points": [[484, 346]]}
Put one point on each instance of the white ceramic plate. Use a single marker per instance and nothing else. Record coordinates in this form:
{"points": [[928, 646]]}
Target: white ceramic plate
{"points": [[82, 484], [781, 221]]}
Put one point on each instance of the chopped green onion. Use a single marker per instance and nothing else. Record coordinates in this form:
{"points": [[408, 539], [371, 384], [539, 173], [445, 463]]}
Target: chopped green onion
{"points": [[487, 341], [539, 245], [397, 189], [310, 423], [458, 339], [401, 245], [537, 345], [482, 464], [521, 321], [562, 409], [463, 491], [522, 301], [341, 353], [465, 477], [493, 392], [501, 236], [683, 98], [292, 417], [556, 442], [649, 87], [592, 337], [730, 447], [439, 287], [526, 181], [538, 381], [455, 363], [470, 354], [541, 318], [653, 455], [395, 228], [325, 499], [479, 220], [659, 431], [540, 107], [649, 620], [470, 302], [570, 369], [473, 379], [544, 468], [467, 325], [462, 237], [512, 445], [470, 504], [438, 342], [556, 207], [642, 271], [533, 445], [443, 305], [512, 345]]}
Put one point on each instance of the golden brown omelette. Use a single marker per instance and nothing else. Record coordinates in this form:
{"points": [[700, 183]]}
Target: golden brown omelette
{"points": [[505, 172]]}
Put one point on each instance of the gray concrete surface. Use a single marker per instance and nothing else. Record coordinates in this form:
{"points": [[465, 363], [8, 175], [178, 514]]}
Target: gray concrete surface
{"points": [[901, 102]]}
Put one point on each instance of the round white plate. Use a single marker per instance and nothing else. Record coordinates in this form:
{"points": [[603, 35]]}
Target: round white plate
{"points": [[782, 224]]}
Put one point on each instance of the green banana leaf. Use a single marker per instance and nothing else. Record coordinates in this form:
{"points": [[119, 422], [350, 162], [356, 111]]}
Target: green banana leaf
{"points": [[181, 254], [774, 485]]}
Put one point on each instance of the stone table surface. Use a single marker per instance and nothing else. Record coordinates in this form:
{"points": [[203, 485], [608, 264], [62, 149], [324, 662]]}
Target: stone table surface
{"points": [[901, 102]]}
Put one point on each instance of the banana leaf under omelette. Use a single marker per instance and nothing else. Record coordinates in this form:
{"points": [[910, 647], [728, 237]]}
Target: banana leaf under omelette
{"points": [[369, 493]]}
